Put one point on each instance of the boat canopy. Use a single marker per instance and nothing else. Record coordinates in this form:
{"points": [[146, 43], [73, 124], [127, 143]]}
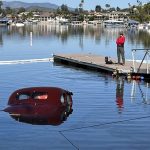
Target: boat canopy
{"points": [[4, 19], [113, 21], [133, 22]]}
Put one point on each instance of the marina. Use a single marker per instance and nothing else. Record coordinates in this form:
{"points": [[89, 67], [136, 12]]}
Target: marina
{"points": [[108, 112]]}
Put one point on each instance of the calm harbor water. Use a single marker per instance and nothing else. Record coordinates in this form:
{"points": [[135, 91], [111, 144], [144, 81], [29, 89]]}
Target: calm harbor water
{"points": [[107, 113]]}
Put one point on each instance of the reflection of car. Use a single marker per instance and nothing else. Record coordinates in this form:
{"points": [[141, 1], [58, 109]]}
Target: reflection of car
{"points": [[40, 105]]}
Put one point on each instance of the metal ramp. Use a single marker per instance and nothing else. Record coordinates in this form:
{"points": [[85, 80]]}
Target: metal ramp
{"points": [[136, 70], [145, 57]]}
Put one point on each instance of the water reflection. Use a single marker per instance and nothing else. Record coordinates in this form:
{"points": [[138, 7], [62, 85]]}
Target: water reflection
{"points": [[64, 32], [3, 30], [144, 91], [1, 39], [139, 37], [119, 94], [52, 118], [140, 90]]}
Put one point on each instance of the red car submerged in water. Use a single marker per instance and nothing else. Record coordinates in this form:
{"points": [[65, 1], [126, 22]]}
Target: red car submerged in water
{"points": [[40, 105]]}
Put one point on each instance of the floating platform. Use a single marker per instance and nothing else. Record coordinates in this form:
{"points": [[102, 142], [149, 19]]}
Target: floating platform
{"points": [[97, 63]]}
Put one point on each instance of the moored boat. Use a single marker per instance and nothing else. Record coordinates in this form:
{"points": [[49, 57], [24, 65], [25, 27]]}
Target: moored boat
{"points": [[114, 23], [19, 24], [4, 21], [145, 26]]}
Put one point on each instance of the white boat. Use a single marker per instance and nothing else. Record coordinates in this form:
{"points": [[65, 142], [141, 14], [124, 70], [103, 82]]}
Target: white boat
{"points": [[19, 24], [114, 23], [76, 23], [63, 21], [141, 26], [92, 23], [145, 26], [132, 24], [4, 21]]}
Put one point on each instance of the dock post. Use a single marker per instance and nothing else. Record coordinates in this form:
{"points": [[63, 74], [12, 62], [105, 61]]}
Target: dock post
{"points": [[148, 62]]}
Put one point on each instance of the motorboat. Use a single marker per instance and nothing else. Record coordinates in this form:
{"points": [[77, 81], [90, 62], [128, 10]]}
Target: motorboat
{"points": [[145, 26], [19, 24], [4, 21], [40, 105], [114, 23]]}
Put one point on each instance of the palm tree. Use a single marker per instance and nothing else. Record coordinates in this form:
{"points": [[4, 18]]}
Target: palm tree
{"points": [[107, 6], [139, 2], [98, 8], [81, 5], [82, 1], [1, 3]]}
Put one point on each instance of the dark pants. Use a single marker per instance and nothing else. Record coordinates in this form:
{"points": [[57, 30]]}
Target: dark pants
{"points": [[120, 54]]}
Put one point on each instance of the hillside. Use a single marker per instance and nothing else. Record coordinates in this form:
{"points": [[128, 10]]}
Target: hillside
{"points": [[18, 4]]}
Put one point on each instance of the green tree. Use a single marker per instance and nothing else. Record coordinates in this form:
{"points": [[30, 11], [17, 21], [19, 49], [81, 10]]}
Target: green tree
{"points": [[81, 17], [81, 7], [107, 6], [64, 8], [91, 18], [58, 11], [147, 8], [1, 3], [21, 9], [118, 9], [112, 9], [140, 12], [76, 10], [30, 15], [8, 10], [98, 8], [24, 17]]}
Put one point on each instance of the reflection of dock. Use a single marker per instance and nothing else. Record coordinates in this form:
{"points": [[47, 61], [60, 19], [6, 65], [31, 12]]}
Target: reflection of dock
{"points": [[97, 63]]}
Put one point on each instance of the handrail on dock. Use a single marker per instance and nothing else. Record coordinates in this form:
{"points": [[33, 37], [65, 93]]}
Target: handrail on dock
{"points": [[147, 55]]}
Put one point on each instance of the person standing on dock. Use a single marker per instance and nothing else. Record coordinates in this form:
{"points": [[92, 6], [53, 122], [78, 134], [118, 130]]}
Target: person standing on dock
{"points": [[120, 48]]}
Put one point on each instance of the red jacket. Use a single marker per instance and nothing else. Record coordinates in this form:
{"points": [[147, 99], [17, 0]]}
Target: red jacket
{"points": [[120, 40]]}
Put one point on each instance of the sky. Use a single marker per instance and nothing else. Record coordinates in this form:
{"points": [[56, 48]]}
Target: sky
{"points": [[88, 4]]}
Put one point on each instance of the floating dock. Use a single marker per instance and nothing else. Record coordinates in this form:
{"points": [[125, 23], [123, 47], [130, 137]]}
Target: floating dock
{"points": [[97, 63]]}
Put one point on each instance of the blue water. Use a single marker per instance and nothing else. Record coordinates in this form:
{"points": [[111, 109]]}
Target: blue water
{"points": [[100, 119]]}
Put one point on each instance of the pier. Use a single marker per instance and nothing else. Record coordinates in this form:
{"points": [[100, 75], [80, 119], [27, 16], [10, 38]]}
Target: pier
{"points": [[133, 69]]}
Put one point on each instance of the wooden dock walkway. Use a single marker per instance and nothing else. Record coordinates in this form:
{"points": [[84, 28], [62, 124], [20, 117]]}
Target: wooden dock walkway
{"points": [[97, 63]]}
